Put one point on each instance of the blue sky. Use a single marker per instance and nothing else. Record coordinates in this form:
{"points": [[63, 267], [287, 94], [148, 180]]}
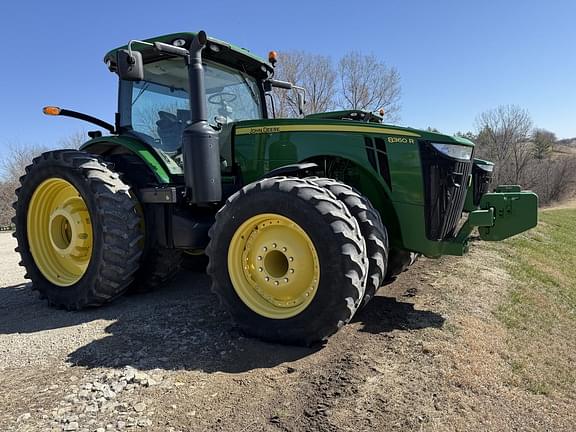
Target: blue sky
{"points": [[456, 58]]}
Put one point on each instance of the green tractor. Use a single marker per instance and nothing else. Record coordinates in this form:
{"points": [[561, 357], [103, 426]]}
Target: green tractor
{"points": [[302, 220]]}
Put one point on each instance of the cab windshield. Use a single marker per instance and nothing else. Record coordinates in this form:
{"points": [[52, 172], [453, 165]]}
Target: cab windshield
{"points": [[160, 107]]}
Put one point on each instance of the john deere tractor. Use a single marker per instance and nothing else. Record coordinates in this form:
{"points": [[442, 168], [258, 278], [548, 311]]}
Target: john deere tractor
{"points": [[302, 220]]}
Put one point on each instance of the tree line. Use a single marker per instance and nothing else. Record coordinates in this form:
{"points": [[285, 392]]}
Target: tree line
{"points": [[355, 81], [524, 154]]}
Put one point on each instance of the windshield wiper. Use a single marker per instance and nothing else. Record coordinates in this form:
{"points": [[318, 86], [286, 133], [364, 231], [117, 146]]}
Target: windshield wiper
{"points": [[248, 85], [141, 92]]}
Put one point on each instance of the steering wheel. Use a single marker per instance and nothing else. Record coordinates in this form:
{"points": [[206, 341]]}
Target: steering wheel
{"points": [[222, 98]]}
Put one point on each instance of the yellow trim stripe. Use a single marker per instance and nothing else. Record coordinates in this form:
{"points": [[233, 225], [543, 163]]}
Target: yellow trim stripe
{"points": [[321, 128]]}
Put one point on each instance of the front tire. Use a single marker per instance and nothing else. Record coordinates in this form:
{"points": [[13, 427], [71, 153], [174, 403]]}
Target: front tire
{"points": [[77, 229], [287, 260]]}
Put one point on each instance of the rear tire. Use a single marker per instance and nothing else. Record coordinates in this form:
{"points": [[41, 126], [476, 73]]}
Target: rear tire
{"points": [[371, 227], [308, 296], [158, 267], [77, 229]]}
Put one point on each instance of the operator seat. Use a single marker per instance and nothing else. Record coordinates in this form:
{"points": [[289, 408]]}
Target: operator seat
{"points": [[169, 128]]}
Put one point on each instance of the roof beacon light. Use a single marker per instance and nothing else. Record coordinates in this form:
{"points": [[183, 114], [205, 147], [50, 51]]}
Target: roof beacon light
{"points": [[273, 57]]}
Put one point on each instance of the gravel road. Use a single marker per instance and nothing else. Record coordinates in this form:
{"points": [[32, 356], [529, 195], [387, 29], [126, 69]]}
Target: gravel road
{"points": [[424, 355]]}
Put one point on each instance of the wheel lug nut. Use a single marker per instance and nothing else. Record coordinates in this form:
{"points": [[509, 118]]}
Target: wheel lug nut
{"points": [[291, 258], [274, 245], [276, 283], [267, 278], [264, 248], [286, 280], [291, 270], [259, 258], [260, 269], [284, 249]]}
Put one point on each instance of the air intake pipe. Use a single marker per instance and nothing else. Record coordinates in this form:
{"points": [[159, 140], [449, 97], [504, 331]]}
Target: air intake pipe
{"points": [[200, 148]]}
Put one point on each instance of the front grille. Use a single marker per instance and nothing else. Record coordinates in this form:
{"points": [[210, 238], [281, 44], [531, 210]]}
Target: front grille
{"points": [[481, 180], [445, 187]]}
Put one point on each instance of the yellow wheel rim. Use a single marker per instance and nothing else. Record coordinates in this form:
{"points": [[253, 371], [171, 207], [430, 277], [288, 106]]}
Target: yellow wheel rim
{"points": [[59, 232], [273, 266]]}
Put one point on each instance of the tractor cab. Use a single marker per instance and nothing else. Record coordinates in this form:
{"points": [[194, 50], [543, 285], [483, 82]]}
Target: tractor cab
{"points": [[182, 94], [156, 107]]}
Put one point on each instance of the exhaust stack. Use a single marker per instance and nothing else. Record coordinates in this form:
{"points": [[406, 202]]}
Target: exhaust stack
{"points": [[200, 146]]}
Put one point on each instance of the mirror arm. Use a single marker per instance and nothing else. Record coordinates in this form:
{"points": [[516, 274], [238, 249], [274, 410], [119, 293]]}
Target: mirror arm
{"points": [[137, 41], [280, 84]]}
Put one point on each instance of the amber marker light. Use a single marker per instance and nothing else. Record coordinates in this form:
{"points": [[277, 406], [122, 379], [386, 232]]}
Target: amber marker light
{"points": [[51, 110], [272, 57]]}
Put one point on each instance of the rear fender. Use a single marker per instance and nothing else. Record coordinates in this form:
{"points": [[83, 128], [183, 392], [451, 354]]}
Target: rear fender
{"points": [[111, 145]]}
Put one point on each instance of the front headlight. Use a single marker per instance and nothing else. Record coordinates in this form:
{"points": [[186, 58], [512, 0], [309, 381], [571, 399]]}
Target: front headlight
{"points": [[485, 167], [454, 150]]}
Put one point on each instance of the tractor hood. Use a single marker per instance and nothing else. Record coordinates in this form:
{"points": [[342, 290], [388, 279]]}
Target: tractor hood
{"points": [[360, 116], [327, 122]]}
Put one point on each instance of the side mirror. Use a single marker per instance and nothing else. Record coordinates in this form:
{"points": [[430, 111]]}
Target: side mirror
{"points": [[129, 65]]}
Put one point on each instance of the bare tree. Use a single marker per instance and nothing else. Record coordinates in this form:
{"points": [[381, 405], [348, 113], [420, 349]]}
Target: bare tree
{"points": [[74, 140], [313, 72], [553, 178], [368, 84], [543, 143], [504, 137], [17, 157], [13, 165]]}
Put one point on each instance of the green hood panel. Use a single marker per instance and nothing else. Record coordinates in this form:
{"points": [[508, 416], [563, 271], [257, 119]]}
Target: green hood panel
{"points": [[321, 123]]}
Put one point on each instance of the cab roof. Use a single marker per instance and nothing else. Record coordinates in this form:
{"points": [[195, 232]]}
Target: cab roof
{"points": [[217, 50]]}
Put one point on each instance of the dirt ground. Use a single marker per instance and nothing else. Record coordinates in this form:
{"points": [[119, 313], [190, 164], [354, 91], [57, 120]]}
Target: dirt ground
{"points": [[427, 354]]}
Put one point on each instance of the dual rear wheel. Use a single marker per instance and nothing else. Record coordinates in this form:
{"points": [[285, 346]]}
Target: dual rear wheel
{"points": [[78, 229], [293, 259], [82, 234]]}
